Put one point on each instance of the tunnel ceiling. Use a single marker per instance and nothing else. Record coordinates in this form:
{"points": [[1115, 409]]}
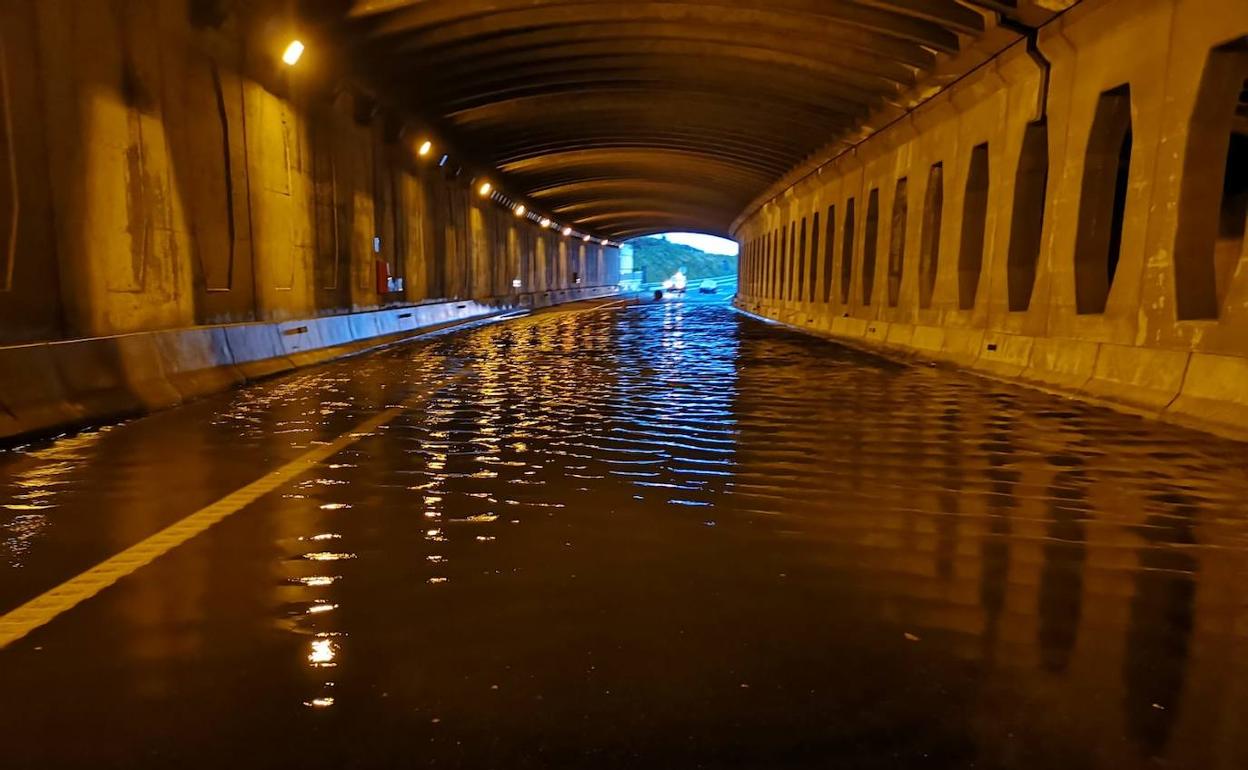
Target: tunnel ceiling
{"points": [[629, 118]]}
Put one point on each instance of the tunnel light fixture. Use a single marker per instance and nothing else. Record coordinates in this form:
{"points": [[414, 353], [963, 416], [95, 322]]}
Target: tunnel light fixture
{"points": [[520, 210], [426, 147], [294, 50], [567, 231], [485, 189], [545, 222], [586, 239]]}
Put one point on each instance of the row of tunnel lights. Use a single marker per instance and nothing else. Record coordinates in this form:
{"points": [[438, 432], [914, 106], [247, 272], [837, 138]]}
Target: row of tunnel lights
{"points": [[294, 51]]}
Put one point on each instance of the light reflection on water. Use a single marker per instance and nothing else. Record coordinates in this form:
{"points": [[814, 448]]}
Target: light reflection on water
{"points": [[1002, 528], [33, 491], [672, 536]]}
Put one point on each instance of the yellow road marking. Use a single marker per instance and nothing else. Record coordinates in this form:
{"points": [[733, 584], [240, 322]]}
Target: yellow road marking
{"points": [[44, 608]]}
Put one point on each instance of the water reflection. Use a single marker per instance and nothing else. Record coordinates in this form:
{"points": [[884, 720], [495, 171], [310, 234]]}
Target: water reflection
{"points": [[1061, 579], [994, 549], [663, 536], [34, 481], [1162, 619]]}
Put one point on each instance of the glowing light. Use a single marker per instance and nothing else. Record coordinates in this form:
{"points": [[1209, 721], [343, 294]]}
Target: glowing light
{"points": [[328, 556], [567, 231], [485, 189], [425, 148], [586, 239], [322, 654], [319, 703], [292, 53], [520, 210], [545, 222], [316, 581]]}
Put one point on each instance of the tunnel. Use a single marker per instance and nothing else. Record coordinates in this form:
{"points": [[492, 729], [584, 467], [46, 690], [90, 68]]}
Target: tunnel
{"points": [[340, 426]]}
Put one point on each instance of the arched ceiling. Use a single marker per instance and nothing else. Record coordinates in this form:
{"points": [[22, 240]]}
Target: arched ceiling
{"points": [[629, 118]]}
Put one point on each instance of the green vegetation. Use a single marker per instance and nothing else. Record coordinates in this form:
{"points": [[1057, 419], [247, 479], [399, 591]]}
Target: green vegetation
{"points": [[659, 259]]}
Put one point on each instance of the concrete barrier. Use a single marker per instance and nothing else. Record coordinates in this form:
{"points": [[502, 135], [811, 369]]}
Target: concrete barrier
{"points": [[1060, 364], [1143, 380], [1005, 355], [55, 386], [197, 361], [32, 396], [1214, 394]]}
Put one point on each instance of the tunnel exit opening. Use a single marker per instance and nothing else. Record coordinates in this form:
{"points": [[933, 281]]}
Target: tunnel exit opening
{"points": [[706, 264]]}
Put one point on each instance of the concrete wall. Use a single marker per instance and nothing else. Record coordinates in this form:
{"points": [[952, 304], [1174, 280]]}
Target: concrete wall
{"points": [[159, 171], [1171, 339]]}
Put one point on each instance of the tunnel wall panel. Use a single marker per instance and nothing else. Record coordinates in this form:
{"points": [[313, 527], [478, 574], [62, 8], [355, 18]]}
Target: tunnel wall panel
{"points": [[179, 213], [1140, 353], [156, 174], [30, 305]]}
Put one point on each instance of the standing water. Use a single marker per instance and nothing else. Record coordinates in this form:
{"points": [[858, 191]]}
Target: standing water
{"points": [[649, 536]]}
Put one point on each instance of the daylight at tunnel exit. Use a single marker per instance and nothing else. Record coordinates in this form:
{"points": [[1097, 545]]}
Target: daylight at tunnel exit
{"points": [[600, 385]]}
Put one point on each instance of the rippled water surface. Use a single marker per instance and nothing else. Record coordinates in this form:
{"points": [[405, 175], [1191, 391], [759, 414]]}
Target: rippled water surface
{"points": [[641, 536]]}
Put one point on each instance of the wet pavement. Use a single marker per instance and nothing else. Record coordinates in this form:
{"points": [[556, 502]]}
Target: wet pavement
{"points": [[649, 536]]}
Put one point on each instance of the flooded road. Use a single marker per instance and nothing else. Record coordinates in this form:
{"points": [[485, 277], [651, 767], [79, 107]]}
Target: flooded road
{"points": [[647, 536]]}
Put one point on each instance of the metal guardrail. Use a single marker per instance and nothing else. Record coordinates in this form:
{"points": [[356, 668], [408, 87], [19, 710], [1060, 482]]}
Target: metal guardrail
{"points": [[723, 281]]}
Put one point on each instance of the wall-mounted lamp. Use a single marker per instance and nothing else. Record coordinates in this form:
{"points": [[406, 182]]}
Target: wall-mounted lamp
{"points": [[292, 53], [567, 231], [426, 147], [545, 222], [485, 189], [520, 210]]}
